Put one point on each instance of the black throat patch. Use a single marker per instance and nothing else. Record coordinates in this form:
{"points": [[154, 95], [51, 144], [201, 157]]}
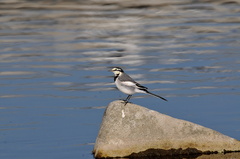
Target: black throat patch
{"points": [[115, 77]]}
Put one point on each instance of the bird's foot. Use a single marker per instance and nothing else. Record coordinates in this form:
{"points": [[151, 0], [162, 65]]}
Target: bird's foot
{"points": [[125, 102]]}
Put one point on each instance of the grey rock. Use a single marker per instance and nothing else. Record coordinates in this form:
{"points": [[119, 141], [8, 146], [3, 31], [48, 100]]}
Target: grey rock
{"points": [[133, 130]]}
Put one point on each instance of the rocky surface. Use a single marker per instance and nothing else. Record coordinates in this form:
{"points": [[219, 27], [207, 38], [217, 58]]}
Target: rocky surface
{"points": [[133, 130]]}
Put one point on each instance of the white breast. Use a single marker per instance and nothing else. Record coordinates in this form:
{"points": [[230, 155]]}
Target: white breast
{"points": [[126, 87]]}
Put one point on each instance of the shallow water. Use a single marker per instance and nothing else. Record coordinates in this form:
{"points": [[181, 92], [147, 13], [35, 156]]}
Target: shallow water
{"points": [[55, 57]]}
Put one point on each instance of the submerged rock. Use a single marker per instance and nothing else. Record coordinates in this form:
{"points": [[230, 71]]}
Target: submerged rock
{"points": [[134, 131]]}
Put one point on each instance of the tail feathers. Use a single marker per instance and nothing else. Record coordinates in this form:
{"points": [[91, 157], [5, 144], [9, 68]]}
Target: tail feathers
{"points": [[156, 95]]}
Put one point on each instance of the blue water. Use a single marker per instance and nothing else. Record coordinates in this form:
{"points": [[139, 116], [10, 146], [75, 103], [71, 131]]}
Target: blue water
{"points": [[55, 57]]}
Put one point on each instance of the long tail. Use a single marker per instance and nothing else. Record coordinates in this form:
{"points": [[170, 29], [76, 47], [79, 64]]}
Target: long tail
{"points": [[156, 95]]}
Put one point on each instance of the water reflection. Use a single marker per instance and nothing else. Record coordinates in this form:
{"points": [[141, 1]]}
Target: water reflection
{"points": [[55, 56]]}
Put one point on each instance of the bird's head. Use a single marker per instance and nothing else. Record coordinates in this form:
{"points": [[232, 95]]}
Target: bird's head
{"points": [[117, 70]]}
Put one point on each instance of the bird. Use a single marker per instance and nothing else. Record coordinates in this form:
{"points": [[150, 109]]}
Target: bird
{"points": [[128, 86]]}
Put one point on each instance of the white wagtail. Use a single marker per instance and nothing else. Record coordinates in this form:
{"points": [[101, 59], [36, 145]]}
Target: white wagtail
{"points": [[128, 86]]}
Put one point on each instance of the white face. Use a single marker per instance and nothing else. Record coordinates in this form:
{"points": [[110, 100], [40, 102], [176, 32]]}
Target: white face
{"points": [[116, 71]]}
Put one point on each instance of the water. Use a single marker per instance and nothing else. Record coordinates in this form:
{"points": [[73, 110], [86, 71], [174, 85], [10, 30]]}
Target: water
{"points": [[55, 57]]}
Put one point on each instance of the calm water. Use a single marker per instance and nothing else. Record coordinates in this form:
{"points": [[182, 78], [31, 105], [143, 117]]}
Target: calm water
{"points": [[55, 57]]}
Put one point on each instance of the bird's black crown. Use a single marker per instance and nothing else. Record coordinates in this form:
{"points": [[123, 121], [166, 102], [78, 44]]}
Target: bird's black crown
{"points": [[117, 69]]}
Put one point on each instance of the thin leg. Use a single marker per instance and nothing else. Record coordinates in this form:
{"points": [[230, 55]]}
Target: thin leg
{"points": [[127, 99]]}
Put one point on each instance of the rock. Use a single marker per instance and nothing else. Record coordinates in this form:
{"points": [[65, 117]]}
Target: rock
{"points": [[135, 131]]}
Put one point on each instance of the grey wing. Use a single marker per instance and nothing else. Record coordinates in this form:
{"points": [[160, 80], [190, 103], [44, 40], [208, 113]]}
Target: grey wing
{"points": [[141, 87], [125, 77]]}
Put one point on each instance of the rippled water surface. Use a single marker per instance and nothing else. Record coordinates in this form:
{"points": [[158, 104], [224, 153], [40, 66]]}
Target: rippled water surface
{"points": [[55, 57]]}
